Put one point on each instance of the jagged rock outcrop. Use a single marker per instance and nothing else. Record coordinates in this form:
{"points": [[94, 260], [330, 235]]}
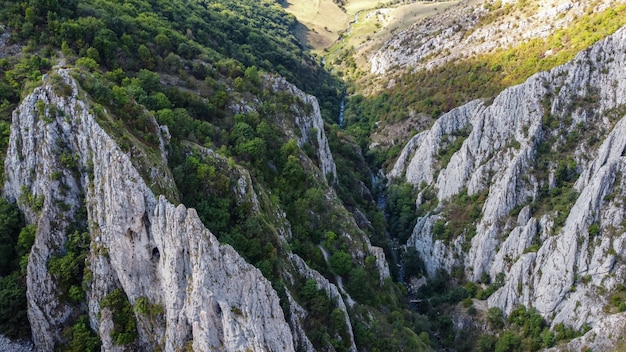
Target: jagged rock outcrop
{"points": [[211, 299], [310, 125], [547, 157], [12, 346], [602, 337], [462, 31]]}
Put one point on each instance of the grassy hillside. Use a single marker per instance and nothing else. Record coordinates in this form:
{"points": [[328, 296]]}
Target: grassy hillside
{"points": [[332, 27]]}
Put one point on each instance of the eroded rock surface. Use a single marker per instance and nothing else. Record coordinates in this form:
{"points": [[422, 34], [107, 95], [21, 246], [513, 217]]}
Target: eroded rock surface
{"points": [[145, 245], [547, 158]]}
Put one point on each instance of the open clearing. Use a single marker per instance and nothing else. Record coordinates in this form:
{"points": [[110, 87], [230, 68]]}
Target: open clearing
{"points": [[321, 21], [364, 24]]}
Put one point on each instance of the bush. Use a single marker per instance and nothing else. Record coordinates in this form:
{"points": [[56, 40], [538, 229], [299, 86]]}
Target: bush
{"points": [[81, 337], [486, 343], [124, 323], [15, 243], [495, 318], [87, 63], [508, 342], [340, 263]]}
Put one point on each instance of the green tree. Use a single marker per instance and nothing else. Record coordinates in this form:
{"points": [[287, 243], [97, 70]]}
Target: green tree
{"points": [[486, 343], [252, 75], [11, 222], [93, 53], [495, 318], [340, 263], [145, 57], [120, 97], [87, 62], [508, 342], [163, 43]]}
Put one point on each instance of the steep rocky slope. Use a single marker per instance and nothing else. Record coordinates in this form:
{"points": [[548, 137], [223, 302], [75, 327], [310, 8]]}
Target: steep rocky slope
{"points": [[476, 27], [544, 161], [141, 243], [154, 262]]}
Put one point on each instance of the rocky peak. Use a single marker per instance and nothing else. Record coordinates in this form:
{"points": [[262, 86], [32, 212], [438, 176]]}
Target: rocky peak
{"points": [[210, 298], [310, 125], [548, 157]]}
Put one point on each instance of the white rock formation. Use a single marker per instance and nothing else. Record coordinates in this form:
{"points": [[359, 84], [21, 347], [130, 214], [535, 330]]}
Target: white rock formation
{"points": [[460, 32], [602, 337], [143, 244], [7, 345], [310, 124], [574, 114]]}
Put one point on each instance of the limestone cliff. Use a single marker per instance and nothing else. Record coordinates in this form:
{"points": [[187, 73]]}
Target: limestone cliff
{"points": [[209, 297], [309, 126], [545, 162], [477, 27]]}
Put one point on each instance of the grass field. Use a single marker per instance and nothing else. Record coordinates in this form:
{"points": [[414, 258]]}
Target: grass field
{"points": [[321, 21], [363, 24]]}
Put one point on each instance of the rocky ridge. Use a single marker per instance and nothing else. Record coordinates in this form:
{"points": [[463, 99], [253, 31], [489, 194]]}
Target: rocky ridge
{"points": [[310, 126], [151, 249], [458, 32], [548, 157]]}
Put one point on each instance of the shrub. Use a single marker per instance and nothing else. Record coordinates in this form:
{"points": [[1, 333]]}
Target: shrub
{"points": [[124, 323], [340, 263], [495, 318], [87, 63], [81, 337]]}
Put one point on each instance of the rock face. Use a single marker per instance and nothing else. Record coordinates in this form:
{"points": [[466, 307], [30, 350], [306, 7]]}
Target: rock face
{"points": [[60, 161], [310, 125], [12, 346], [462, 31], [602, 337], [547, 158]]}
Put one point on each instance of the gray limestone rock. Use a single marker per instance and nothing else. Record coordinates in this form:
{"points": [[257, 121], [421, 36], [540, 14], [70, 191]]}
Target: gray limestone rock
{"points": [[535, 226], [210, 297]]}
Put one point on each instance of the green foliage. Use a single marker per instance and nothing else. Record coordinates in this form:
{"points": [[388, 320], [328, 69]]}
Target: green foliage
{"points": [[594, 229], [152, 311], [495, 318], [143, 34], [559, 199], [30, 200], [340, 263], [26, 239], [87, 63], [68, 267], [461, 214], [395, 331], [401, 210], [81, 337], [486, 343], [124, 323], [15, 243], [13, 318], [508, 342], [451, 144], [325, 320], [524, 330], [413, 263], [11, 221]]}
